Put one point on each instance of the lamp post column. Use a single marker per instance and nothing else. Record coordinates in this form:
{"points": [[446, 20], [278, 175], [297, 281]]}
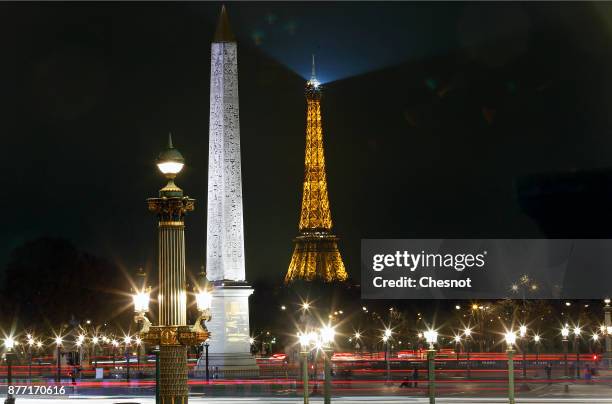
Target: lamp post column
{"points": [[327, 371], [431, 372], [510, 352], [304, 355]]}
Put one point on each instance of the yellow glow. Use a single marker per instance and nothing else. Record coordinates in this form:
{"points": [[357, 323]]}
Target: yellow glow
{"points": [[431, 336], [203, 300], [304, 340], [9, 343], [95, 340], [141, 302], [565, 331], [510, 338], [170, 167], [327, 334], [523, 331], [58, 341]]}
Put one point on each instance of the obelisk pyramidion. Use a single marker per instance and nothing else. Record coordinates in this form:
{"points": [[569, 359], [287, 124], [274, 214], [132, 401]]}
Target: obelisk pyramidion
{"points": [[225, 261]]}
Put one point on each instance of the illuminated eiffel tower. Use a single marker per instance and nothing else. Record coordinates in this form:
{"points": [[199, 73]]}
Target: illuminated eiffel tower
{"points": [[316, 255]]}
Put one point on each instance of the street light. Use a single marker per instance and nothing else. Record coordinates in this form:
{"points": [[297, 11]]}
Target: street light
{"points": [[326, 335], [431, 336], [58, 343], [304, 340], [577, 333], [457, 339], [127, 341], [31, 343], [522, 335], [510, 341], [204, 303], [537, 339], [386, 336], [467, 332], [9, 344], [565, 332]]}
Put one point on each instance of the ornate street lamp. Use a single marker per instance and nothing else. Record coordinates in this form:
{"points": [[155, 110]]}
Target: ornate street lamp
{"points": [[467, 332], [127, 341], [510, 338], [577, 332], [431, 336], [172, 334], [203, 304], [9, 344], [304, 340], [524, 344], [386, 337], [565, 331], [94, 342], [457, 339], [58, 344], [322, 340]]}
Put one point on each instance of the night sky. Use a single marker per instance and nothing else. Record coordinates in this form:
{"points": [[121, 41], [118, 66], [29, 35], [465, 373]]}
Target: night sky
{"points": [[433, 113]]}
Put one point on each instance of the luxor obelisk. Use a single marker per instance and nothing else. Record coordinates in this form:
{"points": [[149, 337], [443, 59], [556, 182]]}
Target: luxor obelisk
{"points": [[225, 260]]}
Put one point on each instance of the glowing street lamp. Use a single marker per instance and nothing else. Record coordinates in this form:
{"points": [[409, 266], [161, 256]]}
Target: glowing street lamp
{"points": [[536, 340], [304, 340], [58, 343], [385, 338], [431, 337], [577, 334], [510, 338], [565, 332], [9, 344], [522, 335], [467, 332]]}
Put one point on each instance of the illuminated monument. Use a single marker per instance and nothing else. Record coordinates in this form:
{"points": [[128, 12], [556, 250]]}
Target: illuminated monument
{"points": [[316, 255], [225, 266]]}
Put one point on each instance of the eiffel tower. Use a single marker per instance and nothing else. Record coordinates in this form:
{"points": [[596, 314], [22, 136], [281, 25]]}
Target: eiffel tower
{"points": [[316, 255]]}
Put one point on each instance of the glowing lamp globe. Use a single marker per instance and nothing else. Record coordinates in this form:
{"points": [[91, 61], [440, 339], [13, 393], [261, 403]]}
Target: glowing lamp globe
{"points": [[95, 340], [39, 344], [327, 334], [457, 338], [431, 337], [170, 161], [523, 331], [467, 332], [577, 331], [565, 331], [304, 340], [204, 300], [127, 340], [141, 302], [58, 341], [536, 338], [9, 343], [388, 333], [510, 338]]}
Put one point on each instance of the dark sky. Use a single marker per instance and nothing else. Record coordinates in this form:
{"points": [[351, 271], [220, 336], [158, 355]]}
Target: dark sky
{"points": [[432, 113]]}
